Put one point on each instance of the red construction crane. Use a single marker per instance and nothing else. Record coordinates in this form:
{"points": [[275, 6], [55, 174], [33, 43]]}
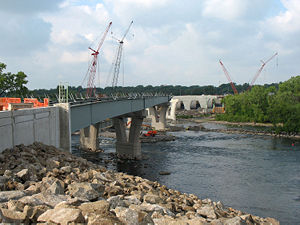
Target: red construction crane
{"points": [[228, 78], [93, 65], [259, 71]]}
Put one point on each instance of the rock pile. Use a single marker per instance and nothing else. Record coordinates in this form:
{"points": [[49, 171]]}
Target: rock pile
{"points": [[41, 184]]}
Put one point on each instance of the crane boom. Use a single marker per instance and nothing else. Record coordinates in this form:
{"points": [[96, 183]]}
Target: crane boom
{"points": [[259, 71], [117, 61], [93, 65], [126, 32], [228, 78], [104, 36]]}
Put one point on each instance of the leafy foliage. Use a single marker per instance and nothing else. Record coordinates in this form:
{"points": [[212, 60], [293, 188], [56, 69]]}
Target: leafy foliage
{"points": [[279, 106], [12, 84]]}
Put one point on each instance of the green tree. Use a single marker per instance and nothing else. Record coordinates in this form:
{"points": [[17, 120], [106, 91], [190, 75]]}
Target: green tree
{"points": [[267, 104], [12, 84]]}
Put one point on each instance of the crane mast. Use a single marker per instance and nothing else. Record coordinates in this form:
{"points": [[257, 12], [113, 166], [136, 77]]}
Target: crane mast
{"points": [[228, 78], [259, 71], [117, 61], [93, 65]]}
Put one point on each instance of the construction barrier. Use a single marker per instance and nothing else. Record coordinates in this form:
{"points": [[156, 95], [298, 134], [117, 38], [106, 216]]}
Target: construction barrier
{"points": [[36, 103], [5, 103]]}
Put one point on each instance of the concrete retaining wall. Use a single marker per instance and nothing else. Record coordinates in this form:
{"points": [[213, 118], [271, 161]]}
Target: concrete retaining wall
{"points": [[29, 125]]}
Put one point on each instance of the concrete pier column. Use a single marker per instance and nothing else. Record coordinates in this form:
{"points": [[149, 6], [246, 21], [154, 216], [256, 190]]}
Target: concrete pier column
{"points": [[89, 138], [129, 148], [172, 109], [158, 116], [64, 126], [187, 104]]}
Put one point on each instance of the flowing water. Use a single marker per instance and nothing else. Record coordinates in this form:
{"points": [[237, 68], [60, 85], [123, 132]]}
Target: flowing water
{"points": [[255, 174]]}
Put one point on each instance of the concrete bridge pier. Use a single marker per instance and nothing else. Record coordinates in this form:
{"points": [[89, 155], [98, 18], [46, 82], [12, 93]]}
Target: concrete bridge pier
{"points": [[129, 147], [158, 116], [89, 137], [171, 113]]}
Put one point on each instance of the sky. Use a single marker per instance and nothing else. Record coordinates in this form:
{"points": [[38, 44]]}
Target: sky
{"points": [[171, 42]]}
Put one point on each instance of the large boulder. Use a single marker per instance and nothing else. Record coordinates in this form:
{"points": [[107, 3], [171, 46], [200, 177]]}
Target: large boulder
{"points": [[127, 216], [5, 196], [98, 207], [12, 216], [207, 212], [44, 199], [63, 216], [86, 190]]}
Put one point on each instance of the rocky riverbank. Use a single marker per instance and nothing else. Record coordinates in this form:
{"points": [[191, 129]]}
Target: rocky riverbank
{"points": [[41, 184], [236, 128]]}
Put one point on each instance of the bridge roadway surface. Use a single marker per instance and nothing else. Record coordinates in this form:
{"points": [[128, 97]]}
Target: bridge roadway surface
{"points": [[84, 114]]}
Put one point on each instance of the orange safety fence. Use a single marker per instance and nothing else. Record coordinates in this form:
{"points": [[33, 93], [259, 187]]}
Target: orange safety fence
{"points": [[4, 102], [36, 103]]}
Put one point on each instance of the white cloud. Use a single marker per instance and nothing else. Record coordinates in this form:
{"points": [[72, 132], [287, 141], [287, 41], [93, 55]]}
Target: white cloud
{"points": [[74, 57], [174, 42], [287, 21], [227, 10], [77, 23]]}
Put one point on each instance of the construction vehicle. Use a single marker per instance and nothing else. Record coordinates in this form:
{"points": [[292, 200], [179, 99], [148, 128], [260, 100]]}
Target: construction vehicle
{"points": [[150, 133]]}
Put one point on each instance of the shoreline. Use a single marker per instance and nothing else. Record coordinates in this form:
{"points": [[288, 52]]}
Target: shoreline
{"points": [[240, 130], [40, 183]]}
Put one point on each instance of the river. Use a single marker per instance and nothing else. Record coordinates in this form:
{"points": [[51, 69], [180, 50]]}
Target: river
{"points": [[255, 174]]}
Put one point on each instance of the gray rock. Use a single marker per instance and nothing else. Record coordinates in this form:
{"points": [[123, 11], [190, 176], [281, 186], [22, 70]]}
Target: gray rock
{"points": [[23, 175], [3, 180], [179, 221], [5, 196], [66, 169], [86, 190], [164, 173], [127, 216], [8, 173], [56, 188], [44, 199], [132, 199], [100, 176], [235, 221], [207, 211], [150, 198], [115, 201], [153, 207]]}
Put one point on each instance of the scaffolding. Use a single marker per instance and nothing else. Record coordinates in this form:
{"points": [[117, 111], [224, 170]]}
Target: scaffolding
{"points": [[63, 93]]}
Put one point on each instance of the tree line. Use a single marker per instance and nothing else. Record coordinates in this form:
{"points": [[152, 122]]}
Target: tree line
{"points": [[223, 89], [14, 85], [279, 106]]}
